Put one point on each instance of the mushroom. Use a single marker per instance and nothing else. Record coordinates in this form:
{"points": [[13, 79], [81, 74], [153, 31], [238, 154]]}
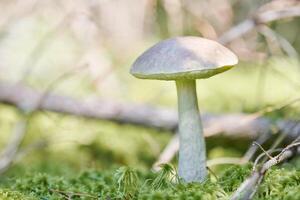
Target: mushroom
{"points": [[185, 59]]}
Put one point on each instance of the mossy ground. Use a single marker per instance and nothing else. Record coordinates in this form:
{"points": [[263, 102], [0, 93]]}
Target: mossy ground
{"points": [[282, 182]]}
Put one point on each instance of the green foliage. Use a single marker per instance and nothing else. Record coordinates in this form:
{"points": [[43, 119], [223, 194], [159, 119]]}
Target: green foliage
{"points": [[282, 182], [233, 177], [9, 195], [165, 177], [127, 180]]}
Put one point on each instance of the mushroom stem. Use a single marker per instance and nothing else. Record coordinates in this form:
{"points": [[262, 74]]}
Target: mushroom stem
{"points": [[192, 154]]}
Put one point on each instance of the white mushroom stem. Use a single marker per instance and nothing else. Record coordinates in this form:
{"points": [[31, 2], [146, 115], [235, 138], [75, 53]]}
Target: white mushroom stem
{"points": [[192, 153]]}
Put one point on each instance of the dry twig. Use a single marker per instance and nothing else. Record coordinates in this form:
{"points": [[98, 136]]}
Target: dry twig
{"points": [[248, 188]]}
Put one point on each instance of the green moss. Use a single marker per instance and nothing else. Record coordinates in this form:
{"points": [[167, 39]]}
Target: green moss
{"points": [[15, 195], [233, 177], [282, 182]]}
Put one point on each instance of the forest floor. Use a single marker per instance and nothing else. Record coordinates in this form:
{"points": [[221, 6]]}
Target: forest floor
{"points": [[281, 182]]}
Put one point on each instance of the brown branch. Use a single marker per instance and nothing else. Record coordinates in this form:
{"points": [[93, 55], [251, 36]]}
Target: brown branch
{"points": [[232, 125]]}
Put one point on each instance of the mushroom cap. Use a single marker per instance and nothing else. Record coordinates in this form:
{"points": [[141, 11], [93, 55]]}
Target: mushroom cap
{"points": [[183, 58]]}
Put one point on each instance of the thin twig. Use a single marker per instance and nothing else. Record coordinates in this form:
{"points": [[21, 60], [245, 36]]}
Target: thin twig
{"points": [[262, 155], [249, 187], [266, 153], [253, 148], [212, 172], [281, 137]]}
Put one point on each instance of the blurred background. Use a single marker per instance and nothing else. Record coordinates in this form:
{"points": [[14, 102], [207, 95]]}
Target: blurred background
{"points": [[83, 49]]}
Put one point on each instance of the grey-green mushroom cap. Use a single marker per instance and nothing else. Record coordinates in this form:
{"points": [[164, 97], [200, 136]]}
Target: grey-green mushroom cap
{"points": [[183, 58]]}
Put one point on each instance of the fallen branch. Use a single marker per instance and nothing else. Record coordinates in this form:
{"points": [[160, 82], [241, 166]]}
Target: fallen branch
{"points": [[253, 148], [22, 96], [248, 188], [232, 125]]}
